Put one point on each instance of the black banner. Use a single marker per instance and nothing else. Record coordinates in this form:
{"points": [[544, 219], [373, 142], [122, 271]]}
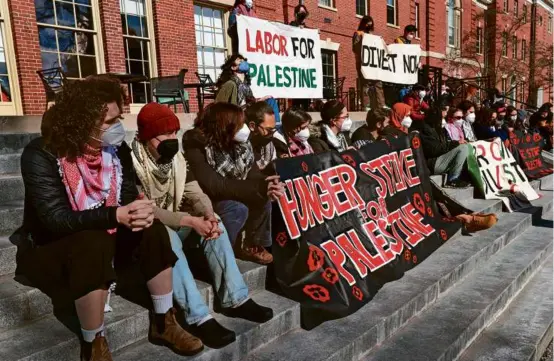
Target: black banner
{"points": [[351, 222], [529, 154]]}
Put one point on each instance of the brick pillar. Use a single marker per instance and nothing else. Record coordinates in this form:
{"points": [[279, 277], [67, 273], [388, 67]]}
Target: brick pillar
{"points": [[27, 53], [176, 41], [112, 34]]}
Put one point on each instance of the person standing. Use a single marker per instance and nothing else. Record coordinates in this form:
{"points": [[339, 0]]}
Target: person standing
{"points": [[373, 88], [300, 15], [240, 8], [409, 35]]}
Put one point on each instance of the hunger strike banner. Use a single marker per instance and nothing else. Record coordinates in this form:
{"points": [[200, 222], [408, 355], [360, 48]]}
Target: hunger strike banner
{"points": [[393, 63], [285, 61], [351, 222], [499, 175], [529, 149]]}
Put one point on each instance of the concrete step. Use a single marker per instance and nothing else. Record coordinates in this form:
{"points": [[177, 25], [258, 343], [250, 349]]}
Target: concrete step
{"points": [[11, 216], [15, 142], [482, 205], [48, 339], [350, 337], [524, 330], [12, 188], [444, 330], [7, 256], [20, 303], [249, 335], [10, 163]]}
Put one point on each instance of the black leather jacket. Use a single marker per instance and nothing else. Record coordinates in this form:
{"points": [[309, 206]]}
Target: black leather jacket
{"points": [[48, 213]]}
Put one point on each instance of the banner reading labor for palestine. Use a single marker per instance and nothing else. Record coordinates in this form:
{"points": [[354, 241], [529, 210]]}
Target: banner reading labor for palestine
{"points": [[498, 175], [351, 222], [529, 150], [393, 63], [285, 61]]}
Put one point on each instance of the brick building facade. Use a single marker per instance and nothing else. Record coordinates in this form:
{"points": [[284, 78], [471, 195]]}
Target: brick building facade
{"points": [[158, 38]]}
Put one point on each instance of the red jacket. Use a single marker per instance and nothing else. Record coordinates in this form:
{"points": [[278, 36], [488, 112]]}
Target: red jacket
{"points": [[417, 107]]}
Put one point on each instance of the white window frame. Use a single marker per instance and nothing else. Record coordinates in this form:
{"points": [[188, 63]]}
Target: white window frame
{"points": [[479, 42], [506, 6], [152, 58], [454, 10], [395, 8], [227, 43], [327, 4], [13, 107], [417, 19], [96, 35], [366, 6]]}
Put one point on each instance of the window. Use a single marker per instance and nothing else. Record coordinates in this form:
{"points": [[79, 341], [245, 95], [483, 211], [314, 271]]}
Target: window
{"points": [[9, 90], [67, 36], [479, 41], [329, 66], [136, 40], [504, 44], [540, 20], [361, 7], [210, 40], [504, 85], [391, 12], [328, 3], [523, 49], [417, 19], [514, 47], [506, 8], [454, 20], [549, 25], [516, 8]]}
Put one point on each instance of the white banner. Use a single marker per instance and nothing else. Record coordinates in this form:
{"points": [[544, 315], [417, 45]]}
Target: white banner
{"points": [[394, 63], [285, 61], [501, 176]]}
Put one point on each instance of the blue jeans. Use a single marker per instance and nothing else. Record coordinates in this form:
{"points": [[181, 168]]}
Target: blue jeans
{"points": [[256, 221], [227, 279]]}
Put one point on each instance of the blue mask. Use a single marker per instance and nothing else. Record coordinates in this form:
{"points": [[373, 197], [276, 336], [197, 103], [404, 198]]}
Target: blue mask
{"points": [[114, 135], [244, 67]]}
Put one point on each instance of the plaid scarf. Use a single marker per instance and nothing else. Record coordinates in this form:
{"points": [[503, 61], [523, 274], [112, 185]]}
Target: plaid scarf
{"points": [[235, 164], [468, 131], [338, 141], [92, 179]]}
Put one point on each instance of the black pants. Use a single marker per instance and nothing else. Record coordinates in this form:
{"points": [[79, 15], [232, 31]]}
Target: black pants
{"points": [[83, 262]]}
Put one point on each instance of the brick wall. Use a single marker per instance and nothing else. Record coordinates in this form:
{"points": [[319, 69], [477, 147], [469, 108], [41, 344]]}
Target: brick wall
{"points": [[112, 31]]}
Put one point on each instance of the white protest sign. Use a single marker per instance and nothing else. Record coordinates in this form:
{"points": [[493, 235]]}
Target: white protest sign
{"points": [[502, 177], [285, 61], [394, 63]]}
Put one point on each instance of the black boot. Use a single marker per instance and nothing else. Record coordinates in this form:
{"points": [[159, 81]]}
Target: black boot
{"points": [[250, 311], [213, 334]]}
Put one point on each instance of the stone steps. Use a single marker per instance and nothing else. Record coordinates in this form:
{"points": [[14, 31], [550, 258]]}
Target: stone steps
{"points": [[250, 335], [445, 329], [397, 302], [10, 163], [524, 330], [12, 188]]}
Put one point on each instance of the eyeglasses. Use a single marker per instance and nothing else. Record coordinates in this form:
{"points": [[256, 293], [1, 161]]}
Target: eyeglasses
{"points": [[458, 117], [268, 130]]}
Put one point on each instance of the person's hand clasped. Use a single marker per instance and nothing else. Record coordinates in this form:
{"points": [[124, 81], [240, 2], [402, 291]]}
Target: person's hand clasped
{"points": [[203, 227], [216, 231], [137, 215], [275, 188]]}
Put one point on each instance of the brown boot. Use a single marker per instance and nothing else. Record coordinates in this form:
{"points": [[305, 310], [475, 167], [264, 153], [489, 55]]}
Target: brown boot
{"points": [[479, 222], [98, 350], [256, 254], [173, 335]]}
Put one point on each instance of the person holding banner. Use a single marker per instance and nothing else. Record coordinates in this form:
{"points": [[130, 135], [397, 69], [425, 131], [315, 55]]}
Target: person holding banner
{"points": [[300, 15], [222, 158], [291, 140], [240, 8], [409, 35], [376, 96], [333, 132]]}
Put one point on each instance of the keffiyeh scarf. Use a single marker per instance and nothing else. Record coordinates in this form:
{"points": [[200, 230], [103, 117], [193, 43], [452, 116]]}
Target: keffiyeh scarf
{"points": [[235, 164], [338, 141]]}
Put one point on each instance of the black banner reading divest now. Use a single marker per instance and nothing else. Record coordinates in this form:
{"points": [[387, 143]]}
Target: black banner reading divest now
{"points": [[351, 222], [529, 148]]}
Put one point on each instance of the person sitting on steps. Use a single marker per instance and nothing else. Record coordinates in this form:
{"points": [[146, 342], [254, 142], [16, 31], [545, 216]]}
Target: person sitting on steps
{"points": [[189, 217], [82, 208]]}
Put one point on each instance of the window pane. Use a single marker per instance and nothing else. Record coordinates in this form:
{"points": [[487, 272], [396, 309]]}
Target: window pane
{"points": [[218, 19], [70, 65], [391, 19], [146, 67], [85, 43], [133, 22], [65, 14], [145, 55], [124, 23], [136, 67], [66, 41], [207, 15], [209, 57], [47, 39], [208, 38], [49, 60], [144, 26], [84, 17], [219, 57], [44, 10], [135, 51], [86, 2], [88, 65], [197, 14], [219, 39], [5, 86]]}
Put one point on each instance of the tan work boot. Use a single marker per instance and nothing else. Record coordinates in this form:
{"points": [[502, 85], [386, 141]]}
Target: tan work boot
{"points": [[173, 336], [478, 222], [99, 351], [256, 254]]}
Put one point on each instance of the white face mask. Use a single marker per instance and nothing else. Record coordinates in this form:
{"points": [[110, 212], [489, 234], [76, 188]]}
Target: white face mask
{"points": [[407, 122], [303, 135], [346, 125], [443, 124], [249, 3], [242, 135], [470, 117], [114, 135], [410, 37], [513, 117], [459, 122], [422, 94]]}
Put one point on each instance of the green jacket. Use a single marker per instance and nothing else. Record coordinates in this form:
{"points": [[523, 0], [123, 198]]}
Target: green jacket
{"points": [[228, 93]]}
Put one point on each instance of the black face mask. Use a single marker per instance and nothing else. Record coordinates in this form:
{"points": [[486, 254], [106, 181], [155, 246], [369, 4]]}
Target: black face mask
{"points": [[260, 140], [301, 16], [501, 117], [369, 27], [167, 150]]}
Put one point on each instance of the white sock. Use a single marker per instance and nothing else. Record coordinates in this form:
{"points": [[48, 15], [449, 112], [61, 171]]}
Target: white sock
{"points": [[205, 319], [90, 335], [242, 303], [162, 303]]}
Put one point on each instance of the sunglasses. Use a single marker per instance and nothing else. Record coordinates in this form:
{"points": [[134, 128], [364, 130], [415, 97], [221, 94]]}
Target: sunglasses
{"points": [[458, 117]]}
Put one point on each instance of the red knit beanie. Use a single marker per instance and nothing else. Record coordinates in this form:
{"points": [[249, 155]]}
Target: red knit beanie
{"points": [[155, 119]]}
